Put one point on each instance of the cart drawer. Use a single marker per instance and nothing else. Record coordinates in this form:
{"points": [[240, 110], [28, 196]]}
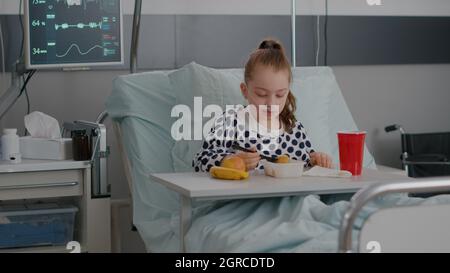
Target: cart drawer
{"points": [[44, 184], [36, 227]]}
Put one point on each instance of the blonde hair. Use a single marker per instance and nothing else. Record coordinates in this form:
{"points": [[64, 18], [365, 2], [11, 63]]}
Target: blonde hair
{"points": [[271, 53]]}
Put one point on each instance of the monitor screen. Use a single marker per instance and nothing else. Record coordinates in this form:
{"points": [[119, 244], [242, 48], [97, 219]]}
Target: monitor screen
{"points": [[73, 33]]}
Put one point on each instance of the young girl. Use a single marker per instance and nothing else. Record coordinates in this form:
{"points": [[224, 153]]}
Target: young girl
{"points": [[267, 126]]}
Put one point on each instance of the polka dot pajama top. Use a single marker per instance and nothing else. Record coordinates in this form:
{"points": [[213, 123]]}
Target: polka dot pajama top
{"points": [[230, 129]]}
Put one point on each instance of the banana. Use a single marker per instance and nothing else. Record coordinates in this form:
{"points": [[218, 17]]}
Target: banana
{"points": [[227, 173]]}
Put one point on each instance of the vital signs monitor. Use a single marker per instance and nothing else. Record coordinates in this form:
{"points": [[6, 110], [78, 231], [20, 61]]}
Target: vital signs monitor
{"points": [[73, 33]]}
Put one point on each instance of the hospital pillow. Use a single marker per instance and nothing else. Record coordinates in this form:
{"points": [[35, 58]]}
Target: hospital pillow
{"points": [[141, 103], [320, 105], [323, 111], [312, 88], [148, 96], [215, 87]]}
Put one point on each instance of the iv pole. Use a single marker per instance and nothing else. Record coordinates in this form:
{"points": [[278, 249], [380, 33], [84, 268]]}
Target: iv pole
{"points": [[293, 13]]}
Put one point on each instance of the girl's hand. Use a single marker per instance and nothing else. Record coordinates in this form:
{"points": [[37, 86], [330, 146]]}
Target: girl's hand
{"points": [[251, 159], [321, 159]]}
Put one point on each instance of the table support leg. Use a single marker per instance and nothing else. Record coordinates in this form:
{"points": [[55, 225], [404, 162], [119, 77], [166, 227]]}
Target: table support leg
{"points": [[185, 219]]}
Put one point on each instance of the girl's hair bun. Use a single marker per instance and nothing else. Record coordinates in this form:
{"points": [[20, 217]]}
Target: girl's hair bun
{"points": [[270, 44]]}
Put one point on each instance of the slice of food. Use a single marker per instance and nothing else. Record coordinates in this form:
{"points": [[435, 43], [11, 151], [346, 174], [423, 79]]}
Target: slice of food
{"points": [[282, 159], [227, 173]]}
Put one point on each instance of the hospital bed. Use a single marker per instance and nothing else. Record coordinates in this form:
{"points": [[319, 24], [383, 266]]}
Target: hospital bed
{"points": [[140, 106]]}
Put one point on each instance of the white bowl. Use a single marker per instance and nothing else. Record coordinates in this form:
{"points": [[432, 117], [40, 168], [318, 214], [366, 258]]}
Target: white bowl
{"points": [[283, 170]]}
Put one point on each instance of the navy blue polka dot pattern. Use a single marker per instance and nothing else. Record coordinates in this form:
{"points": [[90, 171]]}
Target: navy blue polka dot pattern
{"points": [[219, 143]]}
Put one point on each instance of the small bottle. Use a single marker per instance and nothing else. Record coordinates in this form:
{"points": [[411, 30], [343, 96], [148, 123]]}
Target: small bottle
{"points": [[10, 145], [80, 145]]}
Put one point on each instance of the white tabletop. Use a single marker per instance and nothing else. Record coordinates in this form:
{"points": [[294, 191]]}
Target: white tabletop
{"points": [[203, 186], [31, 165]]}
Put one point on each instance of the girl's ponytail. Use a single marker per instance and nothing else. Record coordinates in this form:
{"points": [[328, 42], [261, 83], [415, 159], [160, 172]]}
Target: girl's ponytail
{"points": [[287, 116]]}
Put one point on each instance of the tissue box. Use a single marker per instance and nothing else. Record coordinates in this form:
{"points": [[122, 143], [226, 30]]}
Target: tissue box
{"points": [[44, 148]]}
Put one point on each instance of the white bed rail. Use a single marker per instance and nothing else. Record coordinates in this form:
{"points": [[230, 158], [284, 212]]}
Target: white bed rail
{"points": [[361, 198]]}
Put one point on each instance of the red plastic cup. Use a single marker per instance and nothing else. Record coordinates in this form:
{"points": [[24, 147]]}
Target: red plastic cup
{"points": [[351, 151]]}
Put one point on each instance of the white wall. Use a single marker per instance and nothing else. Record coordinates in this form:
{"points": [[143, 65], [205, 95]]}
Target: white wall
{"points": [[336, 7], [414, 96]]}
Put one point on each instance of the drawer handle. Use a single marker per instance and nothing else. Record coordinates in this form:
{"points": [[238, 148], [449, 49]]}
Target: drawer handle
{"points": [[37, 186]]}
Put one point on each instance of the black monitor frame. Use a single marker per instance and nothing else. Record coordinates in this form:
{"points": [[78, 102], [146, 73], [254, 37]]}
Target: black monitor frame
{"points": [[27, 32]]}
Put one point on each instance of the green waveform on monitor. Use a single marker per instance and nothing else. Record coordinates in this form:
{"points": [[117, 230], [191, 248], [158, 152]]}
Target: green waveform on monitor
{"points": [[78, 49], [91, 25]]}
